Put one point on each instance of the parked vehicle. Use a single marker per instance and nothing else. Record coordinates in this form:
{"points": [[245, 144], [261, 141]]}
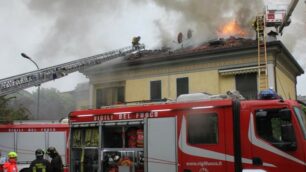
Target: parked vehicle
{"points": [[25, 138]]}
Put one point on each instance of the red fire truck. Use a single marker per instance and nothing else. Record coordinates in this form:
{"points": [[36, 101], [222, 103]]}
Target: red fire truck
{"points": [[27, 136], [207, 135]]}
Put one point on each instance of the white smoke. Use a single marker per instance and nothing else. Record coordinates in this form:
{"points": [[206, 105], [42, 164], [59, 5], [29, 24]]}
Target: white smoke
{"points": [[294, 35], [73, 22], [71, 25], [205, 17]]}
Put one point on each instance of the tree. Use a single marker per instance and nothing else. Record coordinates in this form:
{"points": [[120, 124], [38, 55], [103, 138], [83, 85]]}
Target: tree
{"points": [[9, 113], [54, 105], [304, 108]]}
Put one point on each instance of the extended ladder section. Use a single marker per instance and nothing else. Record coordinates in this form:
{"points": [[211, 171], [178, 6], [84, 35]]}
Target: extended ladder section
{"points": [[287, 20], [15, 83], [262, 53]]}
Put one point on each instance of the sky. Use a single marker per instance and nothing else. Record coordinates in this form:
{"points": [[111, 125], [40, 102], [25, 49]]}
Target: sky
{"points": [[58, 31]]}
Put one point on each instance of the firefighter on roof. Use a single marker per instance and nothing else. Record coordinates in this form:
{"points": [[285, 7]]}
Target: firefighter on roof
{"points": [[135, 41], [40, 164], [10, 165], [56, 162]]}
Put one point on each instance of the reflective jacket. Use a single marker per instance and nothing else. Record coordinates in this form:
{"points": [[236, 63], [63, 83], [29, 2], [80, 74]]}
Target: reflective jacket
{"points": [[40, 165], [10, 167]]}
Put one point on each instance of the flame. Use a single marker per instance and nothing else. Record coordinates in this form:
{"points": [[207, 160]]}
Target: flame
{"points": [[231, 28]]}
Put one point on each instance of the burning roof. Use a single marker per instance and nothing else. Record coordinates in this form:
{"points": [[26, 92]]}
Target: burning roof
{"points": [[231, 38], [232, 28], [212, 45], [230, 34], [207, 50], [218, 48]]}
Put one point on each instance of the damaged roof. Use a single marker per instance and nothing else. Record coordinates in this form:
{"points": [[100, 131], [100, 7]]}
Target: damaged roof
{"points": [[208, 50]]}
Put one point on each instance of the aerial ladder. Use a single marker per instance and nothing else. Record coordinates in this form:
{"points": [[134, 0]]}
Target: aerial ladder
{"points": [[278, 18], [287, 20], [26, 80]]}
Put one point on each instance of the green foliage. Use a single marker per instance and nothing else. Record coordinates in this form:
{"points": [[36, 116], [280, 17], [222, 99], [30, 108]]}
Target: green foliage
{"points": [[304, 108], [54, 105], [9, 113]]}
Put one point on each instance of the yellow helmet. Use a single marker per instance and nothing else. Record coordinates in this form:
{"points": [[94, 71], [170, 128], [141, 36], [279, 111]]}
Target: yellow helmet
{"points": [[12, 155]]}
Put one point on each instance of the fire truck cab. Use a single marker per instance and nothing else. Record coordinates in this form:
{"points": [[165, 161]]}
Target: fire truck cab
{"points": [[207, 135]]}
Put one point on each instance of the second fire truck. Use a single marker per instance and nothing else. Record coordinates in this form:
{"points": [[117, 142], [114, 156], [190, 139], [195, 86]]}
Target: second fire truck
{"points": [[27, 136]]}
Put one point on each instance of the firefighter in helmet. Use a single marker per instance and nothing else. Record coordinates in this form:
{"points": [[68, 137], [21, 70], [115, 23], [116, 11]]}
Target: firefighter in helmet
{"points": [[10, 165], [40, 164], [135, 42], [56, 162]]}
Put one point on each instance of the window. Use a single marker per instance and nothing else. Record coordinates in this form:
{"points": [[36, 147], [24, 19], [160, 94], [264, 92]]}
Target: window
{"points": [[269, 126], [246, 84], [182, 86], [109, 96], [202, 128], [155, 90]]}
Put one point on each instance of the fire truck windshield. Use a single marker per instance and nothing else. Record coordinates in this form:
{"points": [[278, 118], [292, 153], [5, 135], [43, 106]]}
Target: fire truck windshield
{"points": [[302, 119]]}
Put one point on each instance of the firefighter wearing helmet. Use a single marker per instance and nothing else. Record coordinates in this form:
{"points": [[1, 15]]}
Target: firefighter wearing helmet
{"points": [[10, 165], [56, 162], [40, 164], [135, 42]]}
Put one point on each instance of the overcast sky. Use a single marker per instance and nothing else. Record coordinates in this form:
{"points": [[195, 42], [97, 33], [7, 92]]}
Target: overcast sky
{"points": [[57, 31]]}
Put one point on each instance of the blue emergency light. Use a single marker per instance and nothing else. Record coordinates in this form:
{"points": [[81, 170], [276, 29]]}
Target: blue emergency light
{"points": [[268, 94]]}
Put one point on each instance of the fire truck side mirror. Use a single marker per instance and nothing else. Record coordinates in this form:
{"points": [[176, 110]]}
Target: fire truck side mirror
{"points": [[285, 114]]}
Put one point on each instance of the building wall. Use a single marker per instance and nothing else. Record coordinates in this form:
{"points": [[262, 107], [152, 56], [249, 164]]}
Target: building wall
{"points": [[137, 89], [203, 76], [202, 81], [227, 83], [206, 81], [285, 83]]}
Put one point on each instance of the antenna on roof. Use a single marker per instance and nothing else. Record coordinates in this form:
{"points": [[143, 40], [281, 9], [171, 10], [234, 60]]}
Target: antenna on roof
{"points": [[189, 33], [180, 37]]}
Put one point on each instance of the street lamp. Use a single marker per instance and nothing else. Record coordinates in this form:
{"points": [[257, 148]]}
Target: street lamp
{"points": [[38, 86]]}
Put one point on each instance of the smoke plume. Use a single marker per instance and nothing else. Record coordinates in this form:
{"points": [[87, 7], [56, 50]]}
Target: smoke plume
{"points": [[205, 17], [294, 35], [74, 23], [71, 29]]}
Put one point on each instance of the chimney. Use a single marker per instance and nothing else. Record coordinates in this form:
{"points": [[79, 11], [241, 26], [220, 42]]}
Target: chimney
{"points": [[272, 36]]}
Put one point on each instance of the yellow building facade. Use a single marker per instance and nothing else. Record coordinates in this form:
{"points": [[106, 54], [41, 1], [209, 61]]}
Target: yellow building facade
{"points": [[213, 70]]}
